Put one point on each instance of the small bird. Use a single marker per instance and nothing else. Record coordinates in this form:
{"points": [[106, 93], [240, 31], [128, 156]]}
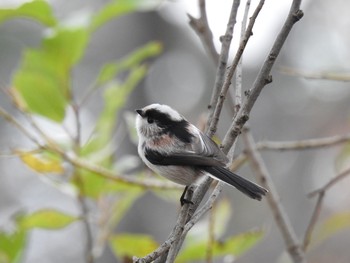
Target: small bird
{"points": [[176, 149]]}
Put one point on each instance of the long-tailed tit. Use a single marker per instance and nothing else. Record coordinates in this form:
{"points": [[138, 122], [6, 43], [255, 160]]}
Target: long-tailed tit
{"points": [[176, 149]]}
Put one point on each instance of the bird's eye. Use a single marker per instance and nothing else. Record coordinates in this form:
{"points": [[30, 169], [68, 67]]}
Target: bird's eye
{"points": [[150, 120]]}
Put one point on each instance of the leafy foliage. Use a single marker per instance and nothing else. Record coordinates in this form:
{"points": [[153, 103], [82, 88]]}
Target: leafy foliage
{"points": [[12, 244]]}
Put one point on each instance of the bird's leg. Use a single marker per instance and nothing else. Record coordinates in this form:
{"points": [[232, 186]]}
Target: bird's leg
{"points": [[183, 199]]}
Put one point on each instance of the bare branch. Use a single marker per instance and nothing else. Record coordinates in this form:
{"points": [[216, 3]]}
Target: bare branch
{"points": [[303, 144], [334, 76], [313, 220], [238, 86], [222, 63], [20, 127], [332, 182], [315, 215], [201, 27], [221, 97], [281, 218], [263, 78]]}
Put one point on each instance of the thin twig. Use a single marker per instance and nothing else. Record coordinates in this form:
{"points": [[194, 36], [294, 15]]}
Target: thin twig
{"points": [[320, 193], [220, 102], [333, 76], [20, 127], [331, 182], [238, 85], [263, 78], [313, 220], [307, 144], [303, 144], [201, 27], [293, 245], [222, 63]]}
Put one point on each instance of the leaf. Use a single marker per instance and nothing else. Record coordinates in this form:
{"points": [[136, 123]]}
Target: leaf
{"points": [[124, 202], [45, 218], [343, 158], [235, 245], [222, 217], [113, 10], [331, 226], [44, 77], [110, 70], [115, 98], [12, 246], [38, 10], [129, 245], [40, 163]]}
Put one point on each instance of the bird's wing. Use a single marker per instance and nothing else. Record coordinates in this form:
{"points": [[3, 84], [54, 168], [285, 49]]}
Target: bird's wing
{"points": [[205, 146], [202, 151]]}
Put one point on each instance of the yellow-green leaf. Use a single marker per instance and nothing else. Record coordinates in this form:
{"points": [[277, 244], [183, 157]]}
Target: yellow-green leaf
{"points": [[110, 70], [46, 218], [115, 98], [12, 246], [331, 226], [129, 245], [41, 163], [222, 217], [235, 245], [38, 10]]}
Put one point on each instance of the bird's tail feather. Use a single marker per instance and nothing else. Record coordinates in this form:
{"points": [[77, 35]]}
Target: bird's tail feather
{"points": [[245, 186]]}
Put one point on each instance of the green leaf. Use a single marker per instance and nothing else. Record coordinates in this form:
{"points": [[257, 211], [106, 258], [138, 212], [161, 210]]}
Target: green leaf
{"points": [[343, 158], [236, 246], [38, 10], [222, 217], [44, 78], [115, 98], [46, 218], [129, 245], [331, 226], [113, 10], [124, 202], [12, 246], [110, 70]]}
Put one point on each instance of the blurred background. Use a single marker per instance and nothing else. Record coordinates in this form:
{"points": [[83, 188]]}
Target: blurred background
{"points": [[290, 108]]}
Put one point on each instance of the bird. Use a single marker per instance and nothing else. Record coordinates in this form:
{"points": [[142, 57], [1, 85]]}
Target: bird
{"points": [[176, 149]]}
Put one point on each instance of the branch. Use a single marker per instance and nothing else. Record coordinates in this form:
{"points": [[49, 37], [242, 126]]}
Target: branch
{"points": [[313, 220], [263, 78], [315, 215], [303, 144], [201, 27], [281, 218], [238, 86], [334, 76], [222, 64], [221, 97], [333, 181]]}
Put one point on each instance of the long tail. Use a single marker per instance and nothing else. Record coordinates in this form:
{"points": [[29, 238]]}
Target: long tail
{"points": [[245, 186]]}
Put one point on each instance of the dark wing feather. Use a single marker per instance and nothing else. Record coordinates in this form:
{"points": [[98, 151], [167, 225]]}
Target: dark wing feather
{"points": [[245, 186], [205, 146], [183, 158]]}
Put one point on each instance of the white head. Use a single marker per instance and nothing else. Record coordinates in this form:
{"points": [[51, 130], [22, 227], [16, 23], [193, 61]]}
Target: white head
{"points": [[156, 119]]}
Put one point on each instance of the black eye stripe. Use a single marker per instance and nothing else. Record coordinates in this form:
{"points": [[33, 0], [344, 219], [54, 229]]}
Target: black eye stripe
{"points": [[170, 126], [161, 118]]}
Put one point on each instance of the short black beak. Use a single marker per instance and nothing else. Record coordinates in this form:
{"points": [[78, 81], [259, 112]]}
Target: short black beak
{"points": [[140, 112]]}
